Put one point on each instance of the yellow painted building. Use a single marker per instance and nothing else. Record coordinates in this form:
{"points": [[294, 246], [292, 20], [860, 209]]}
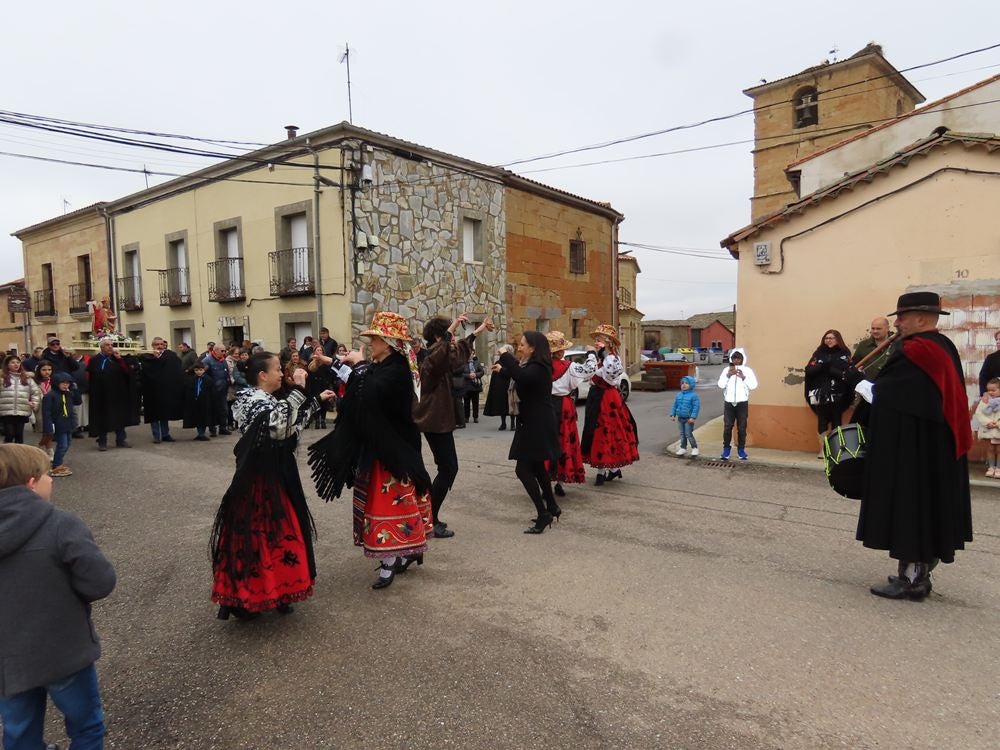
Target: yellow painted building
{"points": [[66, 264], [803, 113], [325, 229], [629, 317]]}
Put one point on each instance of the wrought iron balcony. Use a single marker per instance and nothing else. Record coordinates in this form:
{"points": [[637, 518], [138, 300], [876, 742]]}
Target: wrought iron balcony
{"points": [[130, 293], [78, 296], [225, 280], [292, 272], [45, 303], [175, 287]]}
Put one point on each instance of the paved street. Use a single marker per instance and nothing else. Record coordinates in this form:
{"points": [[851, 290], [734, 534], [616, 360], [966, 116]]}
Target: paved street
{"points": [[689, 606]]}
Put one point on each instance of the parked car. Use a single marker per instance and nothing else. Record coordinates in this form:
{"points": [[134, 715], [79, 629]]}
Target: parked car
{"points": [[580, 355]]}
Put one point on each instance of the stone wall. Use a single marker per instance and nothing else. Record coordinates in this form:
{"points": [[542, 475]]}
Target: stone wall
{"points": [[418, 269]]}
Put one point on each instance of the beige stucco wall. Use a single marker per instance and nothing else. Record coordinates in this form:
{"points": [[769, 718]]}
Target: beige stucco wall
{"points": [[977, 111], [61, 245], [941, 234], [253, 203]]}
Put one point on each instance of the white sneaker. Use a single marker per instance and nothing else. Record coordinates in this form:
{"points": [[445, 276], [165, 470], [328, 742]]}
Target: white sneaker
{"points": [[694, 452], [680, 451]]}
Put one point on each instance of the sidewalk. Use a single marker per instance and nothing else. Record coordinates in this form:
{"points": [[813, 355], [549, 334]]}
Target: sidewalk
{"points": [[709, 437]]}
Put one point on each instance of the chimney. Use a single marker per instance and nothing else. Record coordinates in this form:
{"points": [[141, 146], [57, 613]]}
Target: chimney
{"points": [[291, 131]]}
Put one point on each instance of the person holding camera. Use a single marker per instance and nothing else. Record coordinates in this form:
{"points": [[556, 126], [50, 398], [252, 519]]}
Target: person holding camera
{"points": [[826, 392], [736, 382], [474, 372]]}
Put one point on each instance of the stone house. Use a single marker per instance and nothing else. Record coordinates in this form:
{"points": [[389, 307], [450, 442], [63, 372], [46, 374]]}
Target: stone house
{"points": [[12, 324], [806, 112], [66, 263], [629, 318], [328, 227]]}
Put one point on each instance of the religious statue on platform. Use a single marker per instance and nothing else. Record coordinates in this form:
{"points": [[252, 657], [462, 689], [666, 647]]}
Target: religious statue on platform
{"points": [[104, 319]]}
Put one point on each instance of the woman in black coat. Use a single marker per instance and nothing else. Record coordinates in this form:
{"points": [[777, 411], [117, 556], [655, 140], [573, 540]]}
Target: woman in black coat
{"points": [[826, 392], [535, 437]]}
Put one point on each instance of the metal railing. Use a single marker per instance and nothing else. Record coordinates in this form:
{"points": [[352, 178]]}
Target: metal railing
{"points": [[292, 272], [175, 287], [78, 296], [130, 293], [225, 280], [45, 303]]}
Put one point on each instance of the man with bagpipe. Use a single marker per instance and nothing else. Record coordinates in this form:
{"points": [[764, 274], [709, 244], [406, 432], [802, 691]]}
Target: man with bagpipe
{"points": [[915, 494]]}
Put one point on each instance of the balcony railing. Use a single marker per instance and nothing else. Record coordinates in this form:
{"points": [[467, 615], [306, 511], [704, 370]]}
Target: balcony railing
{"points": [[130, 293], [175, 288], [78, 296], [225, 280], [292, 272], [45, 303]]}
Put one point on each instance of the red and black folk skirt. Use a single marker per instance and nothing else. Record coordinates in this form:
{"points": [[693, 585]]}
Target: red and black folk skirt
{"points": [[610, 439], [266, 564], [568, 469], [390, 518]]}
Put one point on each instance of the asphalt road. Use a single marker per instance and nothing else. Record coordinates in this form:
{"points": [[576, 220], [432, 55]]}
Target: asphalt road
{"points": [[688, 606]]}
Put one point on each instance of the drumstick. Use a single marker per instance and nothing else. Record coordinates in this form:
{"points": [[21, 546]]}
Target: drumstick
{"points": [[860, 366]]}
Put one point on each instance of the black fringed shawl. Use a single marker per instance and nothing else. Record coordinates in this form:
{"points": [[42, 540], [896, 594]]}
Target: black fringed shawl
{"points": [[375, 422]]}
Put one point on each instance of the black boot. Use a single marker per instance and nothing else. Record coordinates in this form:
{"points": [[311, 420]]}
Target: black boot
{"points": [[903, 588], [558, 489]]}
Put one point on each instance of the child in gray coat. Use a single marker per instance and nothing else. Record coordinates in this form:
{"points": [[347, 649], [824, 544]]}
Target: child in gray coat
{"points": [[50, 571]]}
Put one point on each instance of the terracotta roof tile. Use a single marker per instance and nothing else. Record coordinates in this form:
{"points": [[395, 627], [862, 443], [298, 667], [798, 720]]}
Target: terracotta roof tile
{"points": [[903, 157]]}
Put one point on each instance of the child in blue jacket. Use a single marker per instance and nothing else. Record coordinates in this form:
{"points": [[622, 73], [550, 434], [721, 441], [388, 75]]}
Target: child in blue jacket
{"points": [[59, 418], [686, 407]]}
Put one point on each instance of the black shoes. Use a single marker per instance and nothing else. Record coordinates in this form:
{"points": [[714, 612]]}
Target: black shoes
{"points": [[225, 432], [558, 489], [616, 474], [385, 581], [408, 560], [285, 609], [441, 531], [600, 480], [502, 427], [204, 438], [901, 588], [238, 612], [167, 439], [541, 523]]}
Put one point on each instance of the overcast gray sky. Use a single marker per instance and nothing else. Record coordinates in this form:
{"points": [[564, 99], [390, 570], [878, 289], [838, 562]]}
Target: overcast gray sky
{"points": [[493, 82]]}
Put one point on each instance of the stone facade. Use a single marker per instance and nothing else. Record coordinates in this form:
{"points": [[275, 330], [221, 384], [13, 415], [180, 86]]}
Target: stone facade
{"points": [[417, 211], [852, 94]]}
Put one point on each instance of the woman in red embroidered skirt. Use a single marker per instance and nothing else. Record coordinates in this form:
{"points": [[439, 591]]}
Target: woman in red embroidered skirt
{"points": [[262, 553], [566, 378], [610, 439], [375, 447]]}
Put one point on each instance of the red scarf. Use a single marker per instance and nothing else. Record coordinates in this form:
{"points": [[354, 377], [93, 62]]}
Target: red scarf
{"points": [[559, 367], [939, 367]]}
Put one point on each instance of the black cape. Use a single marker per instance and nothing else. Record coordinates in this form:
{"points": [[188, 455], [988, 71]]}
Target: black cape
{"points": [[162, 387], [375, 422], [915, 501], [114, 394], [199, 403]]}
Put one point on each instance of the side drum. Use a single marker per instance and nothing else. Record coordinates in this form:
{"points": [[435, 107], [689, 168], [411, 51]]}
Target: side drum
{"points": [[844, 450]]}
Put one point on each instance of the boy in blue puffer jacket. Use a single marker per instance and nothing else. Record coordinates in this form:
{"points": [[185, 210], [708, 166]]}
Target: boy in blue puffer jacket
{"points": [[59, 419], [686, 407]]}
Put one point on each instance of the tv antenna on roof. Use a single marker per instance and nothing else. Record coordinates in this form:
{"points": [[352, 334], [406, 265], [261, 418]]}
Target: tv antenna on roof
{"points": [[345, 57], [833, 52]]}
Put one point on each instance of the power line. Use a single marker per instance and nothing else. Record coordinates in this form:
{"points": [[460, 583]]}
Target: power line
{"points": [[111, 128], [145, 171], [720, 118]]}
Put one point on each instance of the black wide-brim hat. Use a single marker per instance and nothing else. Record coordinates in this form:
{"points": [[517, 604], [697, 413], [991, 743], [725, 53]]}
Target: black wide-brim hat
{"points": [[919, 302]]}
